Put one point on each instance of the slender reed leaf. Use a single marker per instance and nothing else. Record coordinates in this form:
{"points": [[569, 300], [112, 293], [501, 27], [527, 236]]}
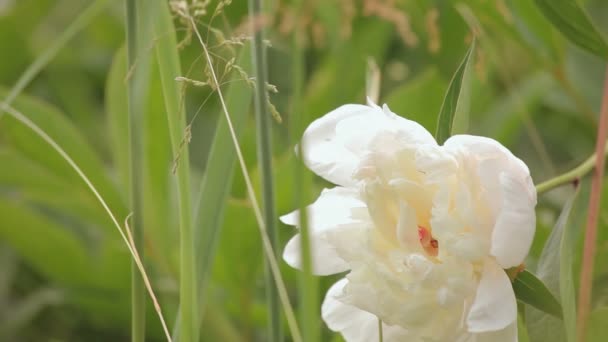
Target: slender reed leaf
{"points": [[169, 67], [574, 23], [138, 303], [266, 244], [125, 237], [531, 290], [31, 146], [264, 144], [215, 186], [555, 270], [450, 116], [308, 284]]}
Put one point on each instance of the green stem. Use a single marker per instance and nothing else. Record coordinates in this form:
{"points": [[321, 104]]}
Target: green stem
{"points": [[44, 58], [307, 283], [169, 68], [265, 164], [380, 331], [568, 177], [138, 299]]}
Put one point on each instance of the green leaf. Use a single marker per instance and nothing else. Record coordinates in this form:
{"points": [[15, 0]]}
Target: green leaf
{"points": [[46, 246], [215, 186], [574, 23], [555, 270], [531, 290], [450, 115], [59, 128]]}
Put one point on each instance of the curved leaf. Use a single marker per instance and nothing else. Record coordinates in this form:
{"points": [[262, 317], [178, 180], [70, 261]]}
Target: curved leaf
{"points": [[533, 291], [448, 117], [574, 23]]}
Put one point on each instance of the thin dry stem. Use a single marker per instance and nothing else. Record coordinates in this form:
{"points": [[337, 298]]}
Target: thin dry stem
{"points": [[274, 267], [128, 241], [584, 297]]}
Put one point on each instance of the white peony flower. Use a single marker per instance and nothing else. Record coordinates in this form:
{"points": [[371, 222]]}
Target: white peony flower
{"points": [[426, 231]]}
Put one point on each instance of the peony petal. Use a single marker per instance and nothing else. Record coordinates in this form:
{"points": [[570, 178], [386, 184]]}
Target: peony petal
{"points": [[337, 210], [354, 324], [323, 154], [335, 144], [508, 334], [494, 307], [334, 207], [516, 223], [325, 260], [509, 194]]}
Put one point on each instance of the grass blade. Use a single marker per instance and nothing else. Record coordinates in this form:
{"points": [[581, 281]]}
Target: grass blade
{"points": [[308, 284], [138, 300], [267, 246], [169, 67], [264, 144], [31, 125], [215, 186], [448, 117]]}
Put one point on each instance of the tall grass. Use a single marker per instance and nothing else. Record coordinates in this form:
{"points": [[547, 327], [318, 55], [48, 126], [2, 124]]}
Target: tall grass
{"points": [[138, 304], [308, 285], [266, 243], [169, 67], [264, 141], [124, 234]]}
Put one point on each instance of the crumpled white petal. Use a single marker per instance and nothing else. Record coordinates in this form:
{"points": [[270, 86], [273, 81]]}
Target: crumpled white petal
{"points": [[510, 193], [334, 144], [354, 324], [508, 334], [515, 225], [494, 307], [337, 210], [325, 259]]}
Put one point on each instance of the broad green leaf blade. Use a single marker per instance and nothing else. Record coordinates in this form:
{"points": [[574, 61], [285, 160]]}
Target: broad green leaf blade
{"points": [[216, 183], [62, 130], [156, 146], [448, 117], [117, 118], [555, 270], [37, 186], [46, 246], [169, 67], [531, 290], [574, 23]]}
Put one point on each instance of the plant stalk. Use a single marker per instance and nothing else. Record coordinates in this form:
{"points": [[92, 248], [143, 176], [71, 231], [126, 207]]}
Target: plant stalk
{"points": [[169, 68], [584, 297], [307, 284], [138, 299], [571, 176], [264, 144]]}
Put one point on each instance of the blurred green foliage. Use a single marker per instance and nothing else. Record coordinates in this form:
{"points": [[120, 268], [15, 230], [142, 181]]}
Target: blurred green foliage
{"points": [[66, 273]]}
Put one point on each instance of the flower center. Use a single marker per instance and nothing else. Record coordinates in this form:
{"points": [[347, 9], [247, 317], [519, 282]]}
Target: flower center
{"points": [[429, 244]]}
